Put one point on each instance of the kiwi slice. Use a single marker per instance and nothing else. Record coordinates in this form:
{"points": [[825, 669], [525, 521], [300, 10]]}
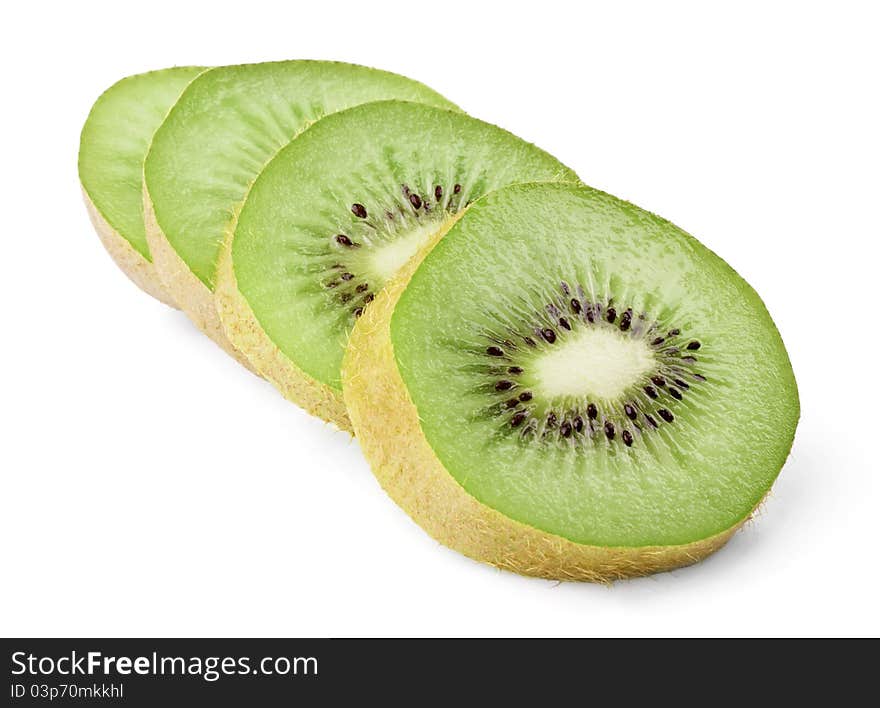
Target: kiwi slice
{"points": [[570, 387], [221, 132], [335, 214], [112, 147]]}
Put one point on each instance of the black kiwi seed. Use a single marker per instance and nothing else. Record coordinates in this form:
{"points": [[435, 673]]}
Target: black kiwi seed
{"points": [[657, 342], [609, 430], [331, 284], [525, 396], [625, 321], [578, 423], [359, 210], [362, 287], [514, 370], [511, 403], [651, 421], [674, 332], [456, 189], [494, 351], [651, 391], [627, 438], [368, 298], [699, 377], [689, 359], [693, 346], [592, 411], [344, 240], [564, 323], [666, 415], [658, 380], [565, 288], [549, 335], [503, 385], [347, 276], [517, 419], [415, 200], [358, 311], [611, 315], [682, 384], [345, 297], [630, 411], [551, 419], [530, 341], [675, 393], [575, 306], [591, 316], [565, 429], [438, 192]]}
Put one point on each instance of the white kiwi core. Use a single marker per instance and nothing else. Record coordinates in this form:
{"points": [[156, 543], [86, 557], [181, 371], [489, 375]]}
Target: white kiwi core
{"points": [[597, 363], [386, 259]]}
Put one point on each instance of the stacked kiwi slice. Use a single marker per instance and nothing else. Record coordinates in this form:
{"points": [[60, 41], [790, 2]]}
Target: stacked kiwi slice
{"points": [[335, 215], [615, 399], [114, 141], [544, 377]]}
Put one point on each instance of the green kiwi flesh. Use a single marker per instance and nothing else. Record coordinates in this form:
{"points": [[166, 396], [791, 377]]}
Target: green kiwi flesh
{"points": [[588, 369], [113, 143], [339, 210], [228, 124]]}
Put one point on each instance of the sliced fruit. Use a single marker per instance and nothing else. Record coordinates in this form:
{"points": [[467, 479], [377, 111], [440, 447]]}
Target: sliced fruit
{"points": [[224, 129], [570, 387], [335, 215], [112, 147]]}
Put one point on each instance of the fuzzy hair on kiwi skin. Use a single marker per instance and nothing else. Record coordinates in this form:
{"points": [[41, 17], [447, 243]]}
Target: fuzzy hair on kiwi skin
{"points": [[192, 295], [138, 269], [386, 422], [241, 329]]}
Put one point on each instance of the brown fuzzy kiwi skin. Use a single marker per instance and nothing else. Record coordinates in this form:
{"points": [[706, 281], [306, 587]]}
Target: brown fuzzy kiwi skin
{"points": [[386, 423], [139, 270], [190, 293], [244, 333]]}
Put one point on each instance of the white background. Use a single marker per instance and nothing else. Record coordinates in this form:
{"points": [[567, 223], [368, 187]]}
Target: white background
{"points": [[150, 486]]}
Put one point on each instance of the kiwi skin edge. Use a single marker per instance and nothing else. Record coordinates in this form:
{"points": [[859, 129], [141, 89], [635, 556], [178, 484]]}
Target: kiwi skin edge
{"points": [[386, 423], [139, 270], [191, 294]]}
